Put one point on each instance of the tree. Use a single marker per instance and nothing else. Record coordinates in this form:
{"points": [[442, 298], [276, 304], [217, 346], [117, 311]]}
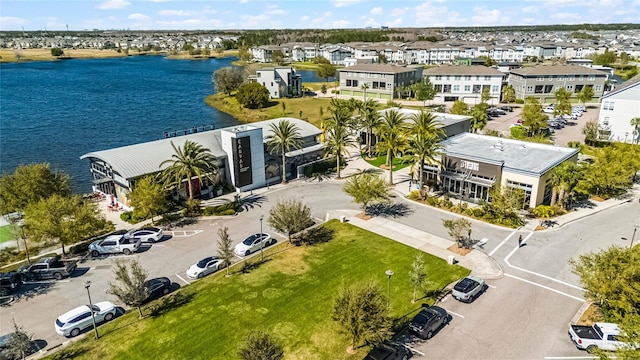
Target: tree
{"points": [[485, 95], [289, 217], [459, 230], [392, 138], [284, 108], [479, 117], [610, 278], [369, 119], [417, 274], [130, 287], [607, 58], [590, 131], [326, 71], [277, 57], [364, 88], [228, 79], [534, 120], [508, 94], [460, 108], [191, 161], [361, 311], [367, 189], [252, 95], [424, 145], [283, 137], [260, 346], [635, 122], [148, 198], [244, 54], [321, 60], [225, 247], [564, 178], [611, 172], [63, 219], [424, 90], [563, 102], [337, 135], [585, 95], [20, 344], [57, 52], [323, 89], [504, 205], [29, 184]]}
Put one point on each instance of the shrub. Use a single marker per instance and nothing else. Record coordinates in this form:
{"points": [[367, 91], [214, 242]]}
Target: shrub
{"points": [[224, 209], [574, 144], [228, 212], [519, 101], [478, 212], [321, 167], [469, 212], [414, 195], [126, 216], [517, 132], [447, 204], [192, 208], [433, 201]]}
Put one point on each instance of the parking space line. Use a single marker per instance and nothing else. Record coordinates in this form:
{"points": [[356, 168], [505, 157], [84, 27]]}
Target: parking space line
{"points": [[47, 281], [184, 233], [155, 245], [185, 281], [416, 351], [572, 357], [456, 314], [502, 243], [491, 286], [544, 287]]}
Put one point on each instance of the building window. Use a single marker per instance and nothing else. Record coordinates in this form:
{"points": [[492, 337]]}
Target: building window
{"points": [[605, 122], [467, 88], [540, 78], [550, 78], [446, 88], [538, 89], [348, 83], [526, 188], [438, 77], [579, 88], [548, 89], [608, 105], [570, 78], [456, 88], [438, 88], [597, 88], [494, 89], [560, 77], [592, 77], [477, 89], [487, 78], [457, 77], [529, 89], [467, 77], [569, 87]]}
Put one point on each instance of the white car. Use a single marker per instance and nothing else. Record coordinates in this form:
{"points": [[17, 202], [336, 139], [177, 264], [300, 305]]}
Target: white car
{"points": [[253, 243], [204, 267], [549, 110], [147, 234], [72, 322]]}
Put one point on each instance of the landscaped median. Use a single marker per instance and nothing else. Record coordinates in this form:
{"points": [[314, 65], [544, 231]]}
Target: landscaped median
{"points": [[291, 296]]}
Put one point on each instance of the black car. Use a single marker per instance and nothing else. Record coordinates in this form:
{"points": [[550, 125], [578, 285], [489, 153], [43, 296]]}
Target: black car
{"points": [[389, 351], [428, 321], [157, 287], [9, 283], [506, 108]]}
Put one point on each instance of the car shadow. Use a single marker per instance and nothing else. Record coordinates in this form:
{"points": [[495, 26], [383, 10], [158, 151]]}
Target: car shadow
{"points": [[144, 248], [38, 345], [30, 290], [79, 271], [165, 237]]}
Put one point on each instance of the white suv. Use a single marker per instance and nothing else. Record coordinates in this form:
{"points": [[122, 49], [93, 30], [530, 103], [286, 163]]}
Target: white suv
{"points": [[72, 322]]}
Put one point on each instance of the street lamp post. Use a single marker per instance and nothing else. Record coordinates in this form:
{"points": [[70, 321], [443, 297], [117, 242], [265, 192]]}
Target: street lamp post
{"points": [[24, 239], [87, 284], [389, 274], [261, 239], [635, 228]]}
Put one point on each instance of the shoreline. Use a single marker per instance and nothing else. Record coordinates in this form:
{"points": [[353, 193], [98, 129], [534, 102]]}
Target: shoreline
{"points": [[13, 56]]}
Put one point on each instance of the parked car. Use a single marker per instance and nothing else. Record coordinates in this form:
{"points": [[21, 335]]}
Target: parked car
{"points": [[549, 110], [147, 234], [9, 283], [506, 108], [520, 121], [467, 289], [48, 268], [389, 351], [157, 287], [204, 267], [253, 243], [113, 244], [428, 321], [72, 322], [599, 336]]}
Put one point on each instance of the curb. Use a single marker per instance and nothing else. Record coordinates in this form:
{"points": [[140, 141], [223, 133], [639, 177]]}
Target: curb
{"points": [[558, 227], [580, 312]]}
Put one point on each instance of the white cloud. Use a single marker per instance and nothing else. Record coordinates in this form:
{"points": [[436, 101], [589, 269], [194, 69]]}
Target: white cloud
{"points": [[305, 18], [395, 23], [566, 17], [254, 20], [138, 16], [244, 1], [343, 3], [113, 4], [12, 22], [530, 9], [176, 13], [376, 10], [398, 11], [427, 14], [340, 23], [327, 13], [486, 17], [273, 9], [369, 21]]}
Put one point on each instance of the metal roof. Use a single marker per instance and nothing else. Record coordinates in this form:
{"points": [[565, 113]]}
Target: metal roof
{"points": [[557, 70], [517, 156], [145, 158], [445, 118]]}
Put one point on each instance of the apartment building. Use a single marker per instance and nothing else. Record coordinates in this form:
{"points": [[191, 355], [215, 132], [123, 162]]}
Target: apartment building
{"points": [[280, 81], [465, 82], [542, 81], [382, 80], [616, 111]]}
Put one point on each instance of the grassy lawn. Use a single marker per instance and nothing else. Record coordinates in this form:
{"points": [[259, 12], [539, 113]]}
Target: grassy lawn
{"points": [[316, 86], [380, 160], [290, 296], [7, 233], [309, 106]]}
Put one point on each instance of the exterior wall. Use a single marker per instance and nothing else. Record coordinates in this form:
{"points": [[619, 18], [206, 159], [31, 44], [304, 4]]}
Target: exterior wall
{"points": [[257, 164], [534, 181], [281, 82], [616, 112], [543, 87], [466, 87]]}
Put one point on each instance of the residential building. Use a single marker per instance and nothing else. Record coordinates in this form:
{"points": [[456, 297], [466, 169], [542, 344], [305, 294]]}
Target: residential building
{"points": [[336, 54], [543, 81], [465, 83], [264, 54], [472, 164], [280, 81], [617, 108], [382, 80], [240, 151]]}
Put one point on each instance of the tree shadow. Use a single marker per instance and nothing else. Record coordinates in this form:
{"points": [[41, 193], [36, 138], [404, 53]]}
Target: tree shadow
{"points": [[313, 236], [70, 353], [30, 290], [389, 210], [251, 201], [170, 303]]}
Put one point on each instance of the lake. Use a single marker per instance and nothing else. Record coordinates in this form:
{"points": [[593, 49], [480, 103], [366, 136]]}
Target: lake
{"points": [[57, 111]]}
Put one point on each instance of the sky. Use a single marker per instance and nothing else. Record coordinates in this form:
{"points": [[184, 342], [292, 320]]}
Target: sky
{"points": [[303, 14]]}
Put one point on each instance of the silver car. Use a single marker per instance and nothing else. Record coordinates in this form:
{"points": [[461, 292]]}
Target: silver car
{"points": [[467, 289]]}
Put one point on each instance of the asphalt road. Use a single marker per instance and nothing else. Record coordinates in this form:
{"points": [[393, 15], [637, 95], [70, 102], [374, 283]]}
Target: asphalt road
{"points": [[524, 315]]}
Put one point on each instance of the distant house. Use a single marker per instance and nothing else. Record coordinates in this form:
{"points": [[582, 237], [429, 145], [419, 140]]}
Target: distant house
{"points": [[280, 81], [336, 54], [264, 54], [382, 80], [543, 81], [617, 108], [465, 83]]}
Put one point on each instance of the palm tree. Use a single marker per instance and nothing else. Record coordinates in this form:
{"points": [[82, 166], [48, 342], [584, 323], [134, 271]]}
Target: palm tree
{"points": [[425, 148], [337, 137], [563, 180], [392, 135], [635, 122], [369, 119], [284, 137], [426, 124], [479, 117], [192, 160], [364, 87]]}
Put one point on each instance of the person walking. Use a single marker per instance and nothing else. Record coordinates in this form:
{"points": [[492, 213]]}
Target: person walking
{"points": [[520, 241]]}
